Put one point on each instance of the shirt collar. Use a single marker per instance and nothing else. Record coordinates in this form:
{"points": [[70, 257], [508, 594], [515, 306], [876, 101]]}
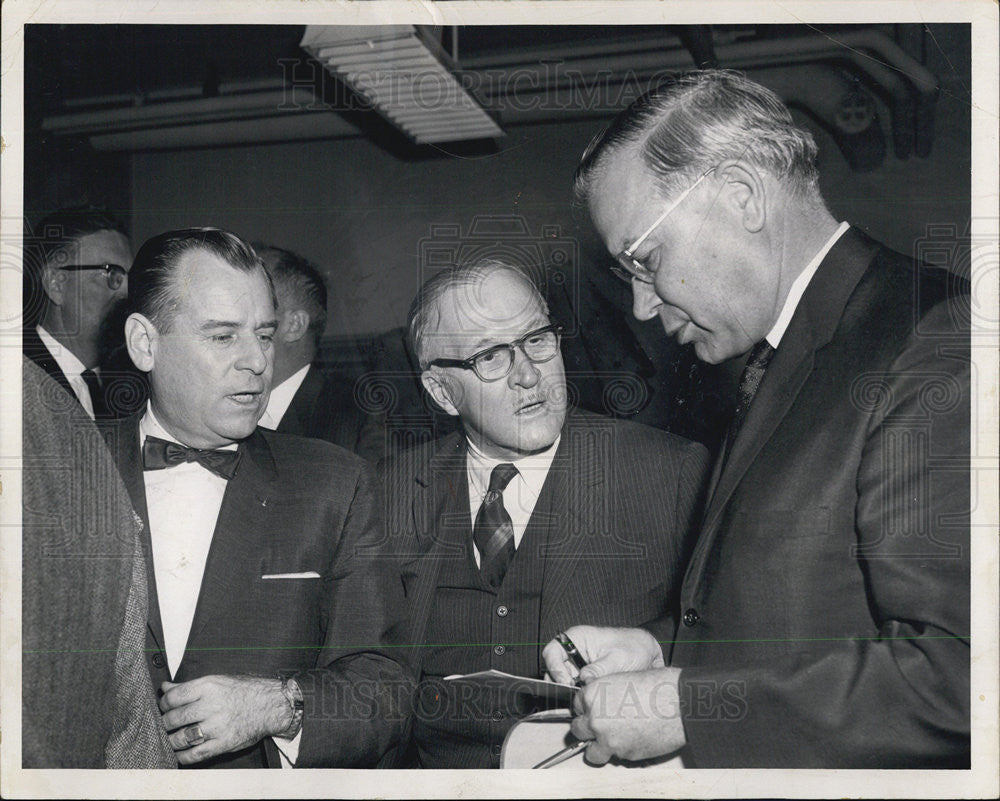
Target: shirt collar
{"points": [[282, 395], [149, 426], [532, 469], [799, 287], [67, 361]]}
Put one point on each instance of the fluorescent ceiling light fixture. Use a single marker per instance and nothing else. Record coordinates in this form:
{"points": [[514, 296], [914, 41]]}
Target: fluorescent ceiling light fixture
{"points": [[405, 78]]}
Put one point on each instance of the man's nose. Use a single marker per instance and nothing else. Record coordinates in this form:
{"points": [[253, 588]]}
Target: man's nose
{"points": [[524, 373], [253, 356], [645, 301]]}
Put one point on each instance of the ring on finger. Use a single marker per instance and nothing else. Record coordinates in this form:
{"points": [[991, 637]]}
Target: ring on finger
{"points": [[193, 735]]}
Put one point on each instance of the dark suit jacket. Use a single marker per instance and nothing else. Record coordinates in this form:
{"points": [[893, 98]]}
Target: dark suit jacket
{"points": [[325, 408], [623, 499], [826, 605], [294, 505], [123, 386]]}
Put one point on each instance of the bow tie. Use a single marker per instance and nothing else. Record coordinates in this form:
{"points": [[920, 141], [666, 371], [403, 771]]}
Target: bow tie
{"points": [[159, 454]]}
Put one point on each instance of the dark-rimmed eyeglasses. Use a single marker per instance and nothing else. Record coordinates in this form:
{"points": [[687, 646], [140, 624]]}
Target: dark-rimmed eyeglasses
{"points": [[629, 267], [114, 274], [497, 361]]}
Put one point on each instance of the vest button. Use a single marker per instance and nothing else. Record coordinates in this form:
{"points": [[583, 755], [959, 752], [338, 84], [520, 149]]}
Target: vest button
{"points": [[502, 611], [159, 661], [499, 650], [691, 617], [498, 716], [496, 749]]}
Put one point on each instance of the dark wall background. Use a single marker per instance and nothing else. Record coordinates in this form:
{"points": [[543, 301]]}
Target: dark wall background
{"points": [[374, 222]]}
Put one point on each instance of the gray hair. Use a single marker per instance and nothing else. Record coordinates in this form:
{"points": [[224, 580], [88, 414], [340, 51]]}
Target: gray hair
{"points": [[697, 120], [425, 311]]}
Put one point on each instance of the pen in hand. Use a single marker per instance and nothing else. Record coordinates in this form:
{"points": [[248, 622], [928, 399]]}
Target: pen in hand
{"points": [[573, 653], [576, 747]]}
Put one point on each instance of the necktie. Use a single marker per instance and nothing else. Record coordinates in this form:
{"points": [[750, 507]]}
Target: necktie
{"points": [[93, 382], [159, 454], [750, 380], [493, 532]]}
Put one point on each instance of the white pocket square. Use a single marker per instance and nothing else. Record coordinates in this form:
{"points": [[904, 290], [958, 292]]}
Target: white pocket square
{"points": [[307, 575]]}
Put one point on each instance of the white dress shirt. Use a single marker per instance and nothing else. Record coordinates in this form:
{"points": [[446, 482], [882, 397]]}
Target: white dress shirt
{"points": [[183, 504], [799, 287], [281, 398], [71, 367], [521, 494]]}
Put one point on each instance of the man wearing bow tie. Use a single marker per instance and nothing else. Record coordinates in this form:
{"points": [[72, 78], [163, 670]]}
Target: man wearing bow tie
{"points": [[269, 609]]}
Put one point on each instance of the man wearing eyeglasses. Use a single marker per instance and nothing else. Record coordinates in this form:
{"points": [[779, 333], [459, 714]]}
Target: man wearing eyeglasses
{"points": [[76, 270], [533, 517], [825, 611]]}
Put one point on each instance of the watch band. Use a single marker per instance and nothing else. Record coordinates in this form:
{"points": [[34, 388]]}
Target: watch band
{"points": [[293, 694]]}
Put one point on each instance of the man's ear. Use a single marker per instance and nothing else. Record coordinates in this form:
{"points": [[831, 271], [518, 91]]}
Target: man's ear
{"points": [[295, 325], [140, 338], [745, 187], [54, 284], [440, 391]]}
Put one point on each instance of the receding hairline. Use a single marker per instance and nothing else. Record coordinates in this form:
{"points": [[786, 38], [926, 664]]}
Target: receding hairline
{"points": [[180, 271], [430, 313]]}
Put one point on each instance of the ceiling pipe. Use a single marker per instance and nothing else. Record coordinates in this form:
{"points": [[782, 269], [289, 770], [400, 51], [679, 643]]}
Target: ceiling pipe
{"points": [[907, 87], [697, 40]]}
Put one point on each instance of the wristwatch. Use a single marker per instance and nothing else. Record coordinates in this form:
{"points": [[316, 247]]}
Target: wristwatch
{"points": [[293, 694]]}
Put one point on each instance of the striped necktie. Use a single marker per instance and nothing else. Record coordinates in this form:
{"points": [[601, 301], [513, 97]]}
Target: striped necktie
{"points": [[750, 380], [493, 532]]}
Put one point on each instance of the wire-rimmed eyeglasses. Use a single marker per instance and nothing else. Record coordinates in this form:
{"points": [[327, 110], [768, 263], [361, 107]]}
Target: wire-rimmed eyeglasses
{"points": [[497, 361], [629, 266], [114, 274]]}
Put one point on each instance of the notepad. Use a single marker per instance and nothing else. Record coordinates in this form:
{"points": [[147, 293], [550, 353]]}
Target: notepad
{"points": [[561, 694]]}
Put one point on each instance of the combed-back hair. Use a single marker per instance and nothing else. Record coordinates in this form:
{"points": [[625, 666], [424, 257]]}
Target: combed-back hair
{"points": [[297, 278], [425, 311], [152, 290], [697, 120]]}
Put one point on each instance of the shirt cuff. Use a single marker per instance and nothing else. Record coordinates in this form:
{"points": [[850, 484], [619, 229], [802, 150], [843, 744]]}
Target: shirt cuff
{"points": [[288, 749]]}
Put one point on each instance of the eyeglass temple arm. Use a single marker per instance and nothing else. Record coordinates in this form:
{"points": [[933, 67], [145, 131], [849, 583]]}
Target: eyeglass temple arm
{"points": [[631, 249]]}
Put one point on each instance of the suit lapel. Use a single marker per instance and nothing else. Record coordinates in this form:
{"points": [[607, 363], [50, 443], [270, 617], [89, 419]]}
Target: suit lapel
{"points": [[813, 325], [299, 413], [237, 536], [442, 523], [123, 441], [35, 350]]}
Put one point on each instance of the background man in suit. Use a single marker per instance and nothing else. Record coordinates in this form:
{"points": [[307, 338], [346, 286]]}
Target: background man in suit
{"points": [[269, 605], [826, 605], [76, 271], [83, 598], [303, 401], [533, 517]]}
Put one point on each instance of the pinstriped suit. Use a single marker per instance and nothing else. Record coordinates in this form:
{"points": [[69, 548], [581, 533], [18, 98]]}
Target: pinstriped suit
{"points": [[612, 525]]}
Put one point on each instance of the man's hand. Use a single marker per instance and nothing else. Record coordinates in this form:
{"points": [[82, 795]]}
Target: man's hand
{"points": [[228, 712], [630, 715], [605, 650]]}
